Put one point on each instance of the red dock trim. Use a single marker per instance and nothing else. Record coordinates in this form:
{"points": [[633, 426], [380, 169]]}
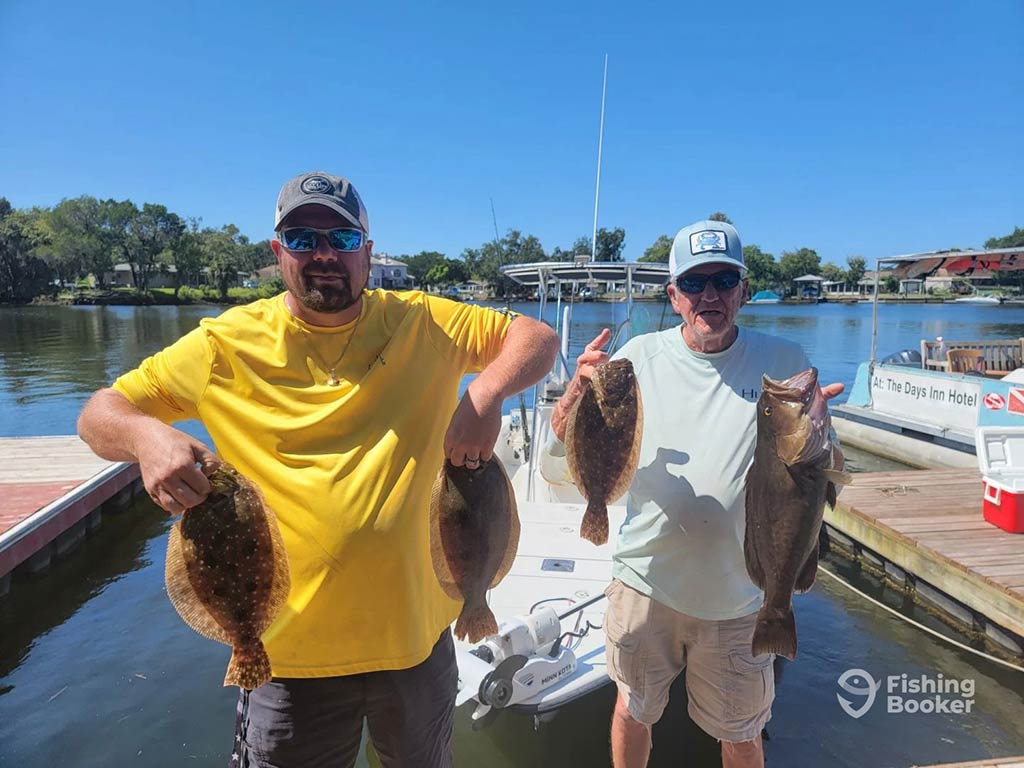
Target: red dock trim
{"points": [[41, 496]]}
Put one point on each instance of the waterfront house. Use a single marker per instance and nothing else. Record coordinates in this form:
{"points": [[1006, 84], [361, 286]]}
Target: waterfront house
{"points": [[386, 272]]}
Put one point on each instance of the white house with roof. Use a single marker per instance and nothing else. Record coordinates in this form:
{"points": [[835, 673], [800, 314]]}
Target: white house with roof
{"points": [[164, 277], [386, 272]]}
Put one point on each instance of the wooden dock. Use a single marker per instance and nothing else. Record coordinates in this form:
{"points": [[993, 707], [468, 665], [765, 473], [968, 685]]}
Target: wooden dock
{"points": [[51, 491], [926, 531]]}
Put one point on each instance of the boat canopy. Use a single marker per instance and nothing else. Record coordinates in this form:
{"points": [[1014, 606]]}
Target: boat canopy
{"points": [[979, 263], [766, 296], [646, 272]]}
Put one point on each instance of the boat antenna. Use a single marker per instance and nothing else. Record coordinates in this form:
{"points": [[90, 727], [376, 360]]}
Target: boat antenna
{"points": [[508, 307], [501, 253], [600, 144], [497, 240]]}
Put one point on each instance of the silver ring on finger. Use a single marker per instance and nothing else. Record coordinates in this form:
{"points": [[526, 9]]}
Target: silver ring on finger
{"points": [[472, 463]]}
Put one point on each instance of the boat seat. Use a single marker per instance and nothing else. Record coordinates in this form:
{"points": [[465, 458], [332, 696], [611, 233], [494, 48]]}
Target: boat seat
{"points": [[964, 360]]}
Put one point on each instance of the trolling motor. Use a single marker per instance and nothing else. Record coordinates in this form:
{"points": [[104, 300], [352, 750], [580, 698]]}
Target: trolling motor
{"points": [[525, 657]]}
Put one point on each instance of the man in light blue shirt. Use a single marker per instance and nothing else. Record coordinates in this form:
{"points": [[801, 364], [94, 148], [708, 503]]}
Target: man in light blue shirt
{"points": [[681, 596]]}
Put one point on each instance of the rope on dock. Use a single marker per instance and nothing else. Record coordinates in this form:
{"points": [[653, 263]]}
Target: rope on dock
{"points": [[929, 630]]}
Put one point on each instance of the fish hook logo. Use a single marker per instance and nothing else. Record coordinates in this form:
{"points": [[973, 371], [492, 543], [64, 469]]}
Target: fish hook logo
{"points": [[848, 681]]}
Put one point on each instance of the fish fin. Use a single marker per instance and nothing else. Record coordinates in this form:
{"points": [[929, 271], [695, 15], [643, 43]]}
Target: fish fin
{"points": [[632, 461], [437, 556], [594, 527], [831, 495], [570, 446], [183, 595], [837, 477], [475, 622], [513, 532], [775, 633], [809, 570], [754, 569], [282, 583], [249, 666]]}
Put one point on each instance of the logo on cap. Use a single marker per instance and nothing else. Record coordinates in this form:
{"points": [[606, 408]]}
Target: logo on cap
{"points": [[316, 185], [708, 240]]}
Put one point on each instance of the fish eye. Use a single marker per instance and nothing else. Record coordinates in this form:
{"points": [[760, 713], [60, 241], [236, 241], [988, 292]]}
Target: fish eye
{"points": [[768, 410]]}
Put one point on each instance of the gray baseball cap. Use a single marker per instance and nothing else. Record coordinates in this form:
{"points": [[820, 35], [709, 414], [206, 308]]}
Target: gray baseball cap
{"points": [[705, 242], [319, 188]]}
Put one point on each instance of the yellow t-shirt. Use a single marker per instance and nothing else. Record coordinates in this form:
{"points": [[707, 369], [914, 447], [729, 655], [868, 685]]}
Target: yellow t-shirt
{"points": [[347, 469]]}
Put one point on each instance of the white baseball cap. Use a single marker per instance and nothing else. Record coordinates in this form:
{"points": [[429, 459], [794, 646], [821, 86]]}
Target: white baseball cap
{"points": [[705, 242]]}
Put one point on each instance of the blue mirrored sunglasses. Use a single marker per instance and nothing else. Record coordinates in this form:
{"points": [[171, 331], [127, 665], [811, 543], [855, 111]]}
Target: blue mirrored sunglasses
{"points": [[305, 238], [725, 280]]}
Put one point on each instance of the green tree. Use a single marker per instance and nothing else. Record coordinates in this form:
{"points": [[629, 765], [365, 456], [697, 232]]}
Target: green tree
{"points": [[23, 275], [223, 252], [514, 248], [719, 216], [420, 264], [610, 244], [832, 272], [856, 269], [793, 264], [145, 238], [1013, 240], [580, 247], [446, 272], [77, 242], [253, 256], [762, 271], [658, 250], [890, 284], [188, 256]]}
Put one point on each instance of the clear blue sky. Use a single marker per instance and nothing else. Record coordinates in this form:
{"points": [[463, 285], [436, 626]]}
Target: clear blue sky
{"points": [[874, 128]]}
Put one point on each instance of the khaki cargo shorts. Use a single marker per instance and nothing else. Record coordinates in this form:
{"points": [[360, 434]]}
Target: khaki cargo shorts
{"points": [[648, 644]]}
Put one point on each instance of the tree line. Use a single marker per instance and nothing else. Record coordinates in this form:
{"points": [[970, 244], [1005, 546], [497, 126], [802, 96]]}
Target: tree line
{"points": [[44, 249], [483, 263]]}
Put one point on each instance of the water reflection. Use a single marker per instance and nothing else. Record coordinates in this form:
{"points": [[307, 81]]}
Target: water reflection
{"points": [[96, 668], [37, 605]]}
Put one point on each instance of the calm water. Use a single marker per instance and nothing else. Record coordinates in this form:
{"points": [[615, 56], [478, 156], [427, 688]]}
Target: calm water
{"points": [[96, 668]]}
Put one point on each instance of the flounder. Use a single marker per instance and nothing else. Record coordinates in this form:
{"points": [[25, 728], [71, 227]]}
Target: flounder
{"points": [[474, 535], [602, 442], [227, 572]]}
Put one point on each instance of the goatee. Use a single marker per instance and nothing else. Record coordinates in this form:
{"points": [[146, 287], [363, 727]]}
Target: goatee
{"points": [[328, 298]]}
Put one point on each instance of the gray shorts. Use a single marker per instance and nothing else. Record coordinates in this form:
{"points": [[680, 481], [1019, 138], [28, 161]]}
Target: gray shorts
{"points": [[318, 722], [730, 691]]}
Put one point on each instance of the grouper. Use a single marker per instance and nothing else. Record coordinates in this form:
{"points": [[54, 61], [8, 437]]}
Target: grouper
{"points": [[788, 485]]}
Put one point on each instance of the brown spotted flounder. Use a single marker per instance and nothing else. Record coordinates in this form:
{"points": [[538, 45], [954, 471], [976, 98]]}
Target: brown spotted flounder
{"points": [[474, 534], [787, 487], [227, 572], [602, 442]]}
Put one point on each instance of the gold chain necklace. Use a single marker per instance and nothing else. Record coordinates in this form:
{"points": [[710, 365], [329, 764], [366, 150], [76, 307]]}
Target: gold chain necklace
{"points": [[332, 376]]}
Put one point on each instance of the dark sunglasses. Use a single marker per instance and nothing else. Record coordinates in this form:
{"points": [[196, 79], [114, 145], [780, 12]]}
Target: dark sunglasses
{"points": [[725, 280], [305, 238]]}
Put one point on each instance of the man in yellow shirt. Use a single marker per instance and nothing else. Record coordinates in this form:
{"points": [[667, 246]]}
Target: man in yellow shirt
{"points": [[341, 403]]}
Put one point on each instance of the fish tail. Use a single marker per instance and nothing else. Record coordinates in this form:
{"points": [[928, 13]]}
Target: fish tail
{"points": [[775, 633], [594, 527], [249, 667], [475, 622]]}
